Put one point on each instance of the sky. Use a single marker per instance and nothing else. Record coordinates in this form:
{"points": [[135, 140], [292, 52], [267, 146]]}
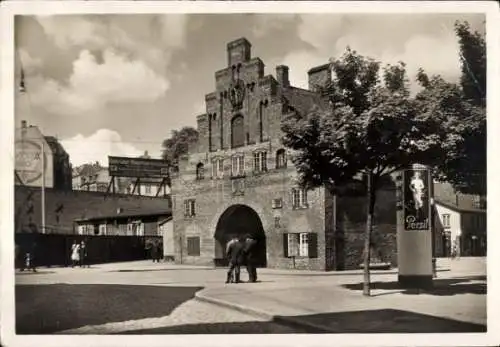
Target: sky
{"points": [[119, 84]]}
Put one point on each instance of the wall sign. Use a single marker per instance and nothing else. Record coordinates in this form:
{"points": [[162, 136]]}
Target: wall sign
{"points": [[29, 161], [416, 203]]}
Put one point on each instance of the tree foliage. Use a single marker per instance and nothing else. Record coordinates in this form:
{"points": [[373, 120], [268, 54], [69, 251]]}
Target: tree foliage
{"points": [[372, 128], [461, 111], [178, 145]]}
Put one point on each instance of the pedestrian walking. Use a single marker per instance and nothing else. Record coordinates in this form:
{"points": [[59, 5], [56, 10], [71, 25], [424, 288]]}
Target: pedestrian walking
{"points": [[83, 254], [29, 260], [234, 252], [75, 253], [249, 256]]}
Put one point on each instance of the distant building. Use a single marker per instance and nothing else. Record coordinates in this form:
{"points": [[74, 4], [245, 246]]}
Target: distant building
{"points": [[30, 145], [460, 222], [91, 177]]}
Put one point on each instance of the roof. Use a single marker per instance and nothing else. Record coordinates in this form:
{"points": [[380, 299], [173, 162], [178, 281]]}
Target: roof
{"points": [[128, 214], [303, 100], [459, 209]]}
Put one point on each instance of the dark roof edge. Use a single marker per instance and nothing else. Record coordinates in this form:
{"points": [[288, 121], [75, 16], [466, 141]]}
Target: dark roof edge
{"points": [[459, 209], [126, 215], [318, 68]]}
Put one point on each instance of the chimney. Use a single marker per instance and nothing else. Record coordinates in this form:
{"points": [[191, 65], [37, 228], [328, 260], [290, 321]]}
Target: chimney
{"points": [[24, 124], [282, 75]]}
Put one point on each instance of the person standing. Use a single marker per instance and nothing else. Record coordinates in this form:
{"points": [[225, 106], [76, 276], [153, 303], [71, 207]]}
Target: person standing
{"points": [[75, 253], [83, 254], [249, 254], [234, 252]]}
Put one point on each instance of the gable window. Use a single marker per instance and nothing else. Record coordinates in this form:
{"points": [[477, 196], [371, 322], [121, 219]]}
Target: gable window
{"points": [[299, 198], [218, 168], [237, 131], [303, 245], [446, 220], [260, 161], [280, 158], [193, 246], [189, 208], [238, 165], [200, 171]]}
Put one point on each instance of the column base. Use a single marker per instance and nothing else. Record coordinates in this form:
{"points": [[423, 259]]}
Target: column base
{"points": [[415, 281]]}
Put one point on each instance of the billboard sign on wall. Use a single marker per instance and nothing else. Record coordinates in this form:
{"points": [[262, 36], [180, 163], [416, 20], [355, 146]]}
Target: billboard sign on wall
{"points": [[416, 203], [29, 161], [137, 167]]}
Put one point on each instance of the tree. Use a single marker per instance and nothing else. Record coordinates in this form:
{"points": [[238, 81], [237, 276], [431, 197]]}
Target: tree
{"points": [[462, 111], [473, 63], [371, 129], [178, 145]]}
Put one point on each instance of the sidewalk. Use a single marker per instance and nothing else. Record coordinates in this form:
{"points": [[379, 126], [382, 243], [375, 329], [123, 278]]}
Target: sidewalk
{"points": [[336, 304]]}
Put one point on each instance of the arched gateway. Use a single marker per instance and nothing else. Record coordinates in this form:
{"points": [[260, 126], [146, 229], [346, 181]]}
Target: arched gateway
{"points": [[240, 220]]}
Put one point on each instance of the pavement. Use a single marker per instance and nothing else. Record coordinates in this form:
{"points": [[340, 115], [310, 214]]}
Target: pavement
{"points": [[288, 301]]}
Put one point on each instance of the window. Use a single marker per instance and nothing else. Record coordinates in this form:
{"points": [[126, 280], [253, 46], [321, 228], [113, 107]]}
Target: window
{"points": [[277, 222], [299, 198], [280, 158], [193, 246], [446, 220], [189, 208], [260, 161], [147, 189], [102, 229], [218, 168], [200, 171], [238, 165], [300, 245], [238, 186], [237, 132], [277, 203]]}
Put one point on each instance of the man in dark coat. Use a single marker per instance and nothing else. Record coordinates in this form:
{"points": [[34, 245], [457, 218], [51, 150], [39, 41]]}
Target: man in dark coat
{"points": [[249, 254], [234, 253]]}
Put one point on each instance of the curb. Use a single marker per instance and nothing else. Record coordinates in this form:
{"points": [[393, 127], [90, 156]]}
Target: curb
{"points": [[289, 321]]}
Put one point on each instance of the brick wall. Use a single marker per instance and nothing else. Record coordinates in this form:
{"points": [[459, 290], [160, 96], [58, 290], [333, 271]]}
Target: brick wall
{"points": [[351, 222]]}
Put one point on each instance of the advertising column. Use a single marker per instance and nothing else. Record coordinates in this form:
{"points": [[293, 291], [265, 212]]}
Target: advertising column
{"points": [[414, 234]]}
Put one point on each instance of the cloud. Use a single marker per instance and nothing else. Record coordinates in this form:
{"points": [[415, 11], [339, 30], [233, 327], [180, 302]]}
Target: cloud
{"points": [[151, 38], [421, 41], [29, 63], [97, 147], [265, 24], [92, 86]]}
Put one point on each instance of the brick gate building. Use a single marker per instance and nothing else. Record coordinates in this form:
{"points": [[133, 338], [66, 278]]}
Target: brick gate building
{"points": [[239, 179]]}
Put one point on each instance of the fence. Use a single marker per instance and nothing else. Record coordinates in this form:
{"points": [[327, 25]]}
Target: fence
{"points": [[55, 249]]}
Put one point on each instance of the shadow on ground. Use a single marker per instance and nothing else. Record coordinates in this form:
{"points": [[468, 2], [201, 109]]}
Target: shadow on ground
{"points": [[442, 287], [44, 309], [37, 272], [151, 270], [355, 322]]}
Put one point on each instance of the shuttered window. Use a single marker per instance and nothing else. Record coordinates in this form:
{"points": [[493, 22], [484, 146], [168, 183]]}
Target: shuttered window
{"points": [[238, 165], [303, 245], [193, 246]]}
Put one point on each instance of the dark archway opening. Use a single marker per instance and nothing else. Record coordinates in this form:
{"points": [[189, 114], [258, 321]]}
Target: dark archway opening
{"points": [[240, 220]]}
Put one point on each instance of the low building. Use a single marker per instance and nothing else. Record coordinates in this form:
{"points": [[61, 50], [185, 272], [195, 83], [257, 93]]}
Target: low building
{"points": [[459, 231], [40, 157], [131, 223]]}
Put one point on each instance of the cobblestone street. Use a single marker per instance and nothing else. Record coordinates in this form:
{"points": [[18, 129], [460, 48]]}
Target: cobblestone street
{"points": [[142, 297]]}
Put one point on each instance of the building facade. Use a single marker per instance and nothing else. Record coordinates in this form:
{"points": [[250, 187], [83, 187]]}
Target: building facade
{"points": [[40, 157], [239, 179], [91, 177]]}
